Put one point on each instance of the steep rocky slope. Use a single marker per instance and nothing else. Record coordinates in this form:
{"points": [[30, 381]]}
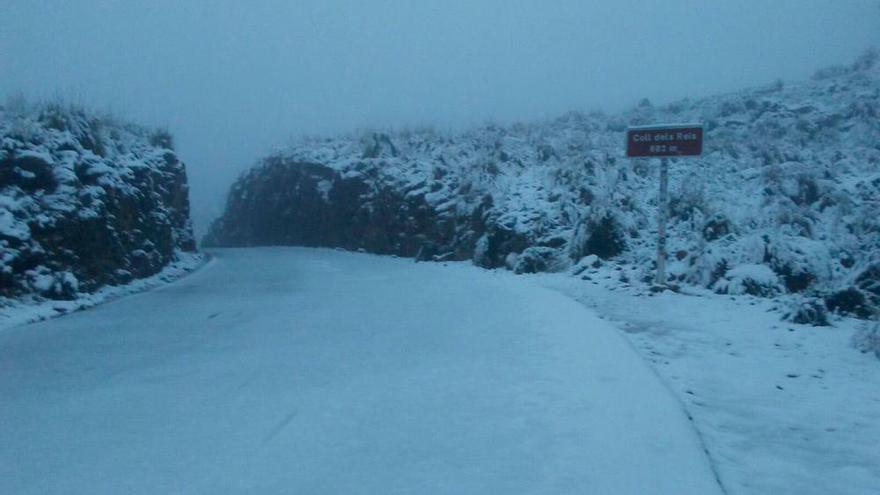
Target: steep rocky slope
{"points": [[85, 201], [783, 201]]}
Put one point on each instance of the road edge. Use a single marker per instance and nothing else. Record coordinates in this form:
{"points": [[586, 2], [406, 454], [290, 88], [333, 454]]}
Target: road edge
{"points": [[24, 312]]}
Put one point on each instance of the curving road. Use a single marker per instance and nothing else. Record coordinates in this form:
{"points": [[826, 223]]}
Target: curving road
{"points": [[284, 370]]}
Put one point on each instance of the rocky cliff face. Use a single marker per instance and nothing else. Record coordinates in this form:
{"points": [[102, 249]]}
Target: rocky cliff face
{"points": [[291, 202], [85, 201], [784, 199]]}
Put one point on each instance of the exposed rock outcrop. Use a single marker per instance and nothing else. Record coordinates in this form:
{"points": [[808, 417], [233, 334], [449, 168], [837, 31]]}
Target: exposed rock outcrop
{"points": [[85, 201]]}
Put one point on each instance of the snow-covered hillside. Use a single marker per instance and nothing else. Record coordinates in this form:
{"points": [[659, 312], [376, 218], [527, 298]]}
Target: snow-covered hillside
{"points": [[784, 199], [85, 201]]}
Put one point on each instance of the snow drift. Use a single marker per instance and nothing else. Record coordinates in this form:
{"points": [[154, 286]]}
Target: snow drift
{"points": [[784, 199], [85, 201]]}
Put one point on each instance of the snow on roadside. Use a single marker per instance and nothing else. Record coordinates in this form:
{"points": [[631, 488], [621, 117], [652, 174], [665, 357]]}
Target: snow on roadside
{"points": [[15, 312], [783, 408]]}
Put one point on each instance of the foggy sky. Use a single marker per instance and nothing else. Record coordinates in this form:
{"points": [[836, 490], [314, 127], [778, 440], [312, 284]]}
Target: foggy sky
{"points": [[233, 80]]}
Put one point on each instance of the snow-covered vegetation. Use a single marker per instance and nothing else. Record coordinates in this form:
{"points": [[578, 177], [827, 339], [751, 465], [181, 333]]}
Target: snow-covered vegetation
{"points": [[867, 338], [784, 199], [85, 201]]}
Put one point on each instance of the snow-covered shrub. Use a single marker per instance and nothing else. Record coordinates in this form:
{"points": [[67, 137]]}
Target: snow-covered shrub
{"points": [[482, 256], [601, 234], [495, 246], [751, 279], [809, 312], [798, 261], [802, 189], [162, 138], [587, 262], [850, 301], [867, 338], [716, 227], [376, 145], [689, 200], [868, 281], [539, 259], [53, 285]]}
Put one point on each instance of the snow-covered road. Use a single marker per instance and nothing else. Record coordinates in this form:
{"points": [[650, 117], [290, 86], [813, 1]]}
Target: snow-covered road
{"points": [[285, 370]]}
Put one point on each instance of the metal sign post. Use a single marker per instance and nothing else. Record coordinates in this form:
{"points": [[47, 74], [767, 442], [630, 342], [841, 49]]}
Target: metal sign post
{"points": [[664, 141], [662, 218]]}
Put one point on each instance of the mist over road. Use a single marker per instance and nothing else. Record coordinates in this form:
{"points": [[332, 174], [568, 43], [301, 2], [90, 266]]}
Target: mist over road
{"points": [[286, 370]]}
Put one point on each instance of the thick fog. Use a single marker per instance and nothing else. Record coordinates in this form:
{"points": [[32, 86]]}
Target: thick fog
{"points": [[234, 80]]}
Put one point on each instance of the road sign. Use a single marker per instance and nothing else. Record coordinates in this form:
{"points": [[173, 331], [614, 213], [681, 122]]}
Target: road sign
{"points": [[664, 140]]}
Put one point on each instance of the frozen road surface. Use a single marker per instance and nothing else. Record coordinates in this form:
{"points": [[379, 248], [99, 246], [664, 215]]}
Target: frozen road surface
{"points": [[300, 371]]}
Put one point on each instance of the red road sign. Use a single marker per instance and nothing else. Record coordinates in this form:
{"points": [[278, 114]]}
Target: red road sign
{"points": [[664, 140]]}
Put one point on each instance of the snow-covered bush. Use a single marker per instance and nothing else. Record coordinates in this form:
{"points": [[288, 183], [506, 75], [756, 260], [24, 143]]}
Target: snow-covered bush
{"points": [[689, 201], [162, 138], [52, 285], [867, 338], [539, 259], [601, 234], [808, 312], [754, 280], [586, 263], [495, 247], [868, 281], [849, 301], [716, 227], [799, 261]]}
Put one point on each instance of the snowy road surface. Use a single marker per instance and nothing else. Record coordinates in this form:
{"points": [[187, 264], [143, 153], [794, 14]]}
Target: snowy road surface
{"points": [[285, 370]]}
